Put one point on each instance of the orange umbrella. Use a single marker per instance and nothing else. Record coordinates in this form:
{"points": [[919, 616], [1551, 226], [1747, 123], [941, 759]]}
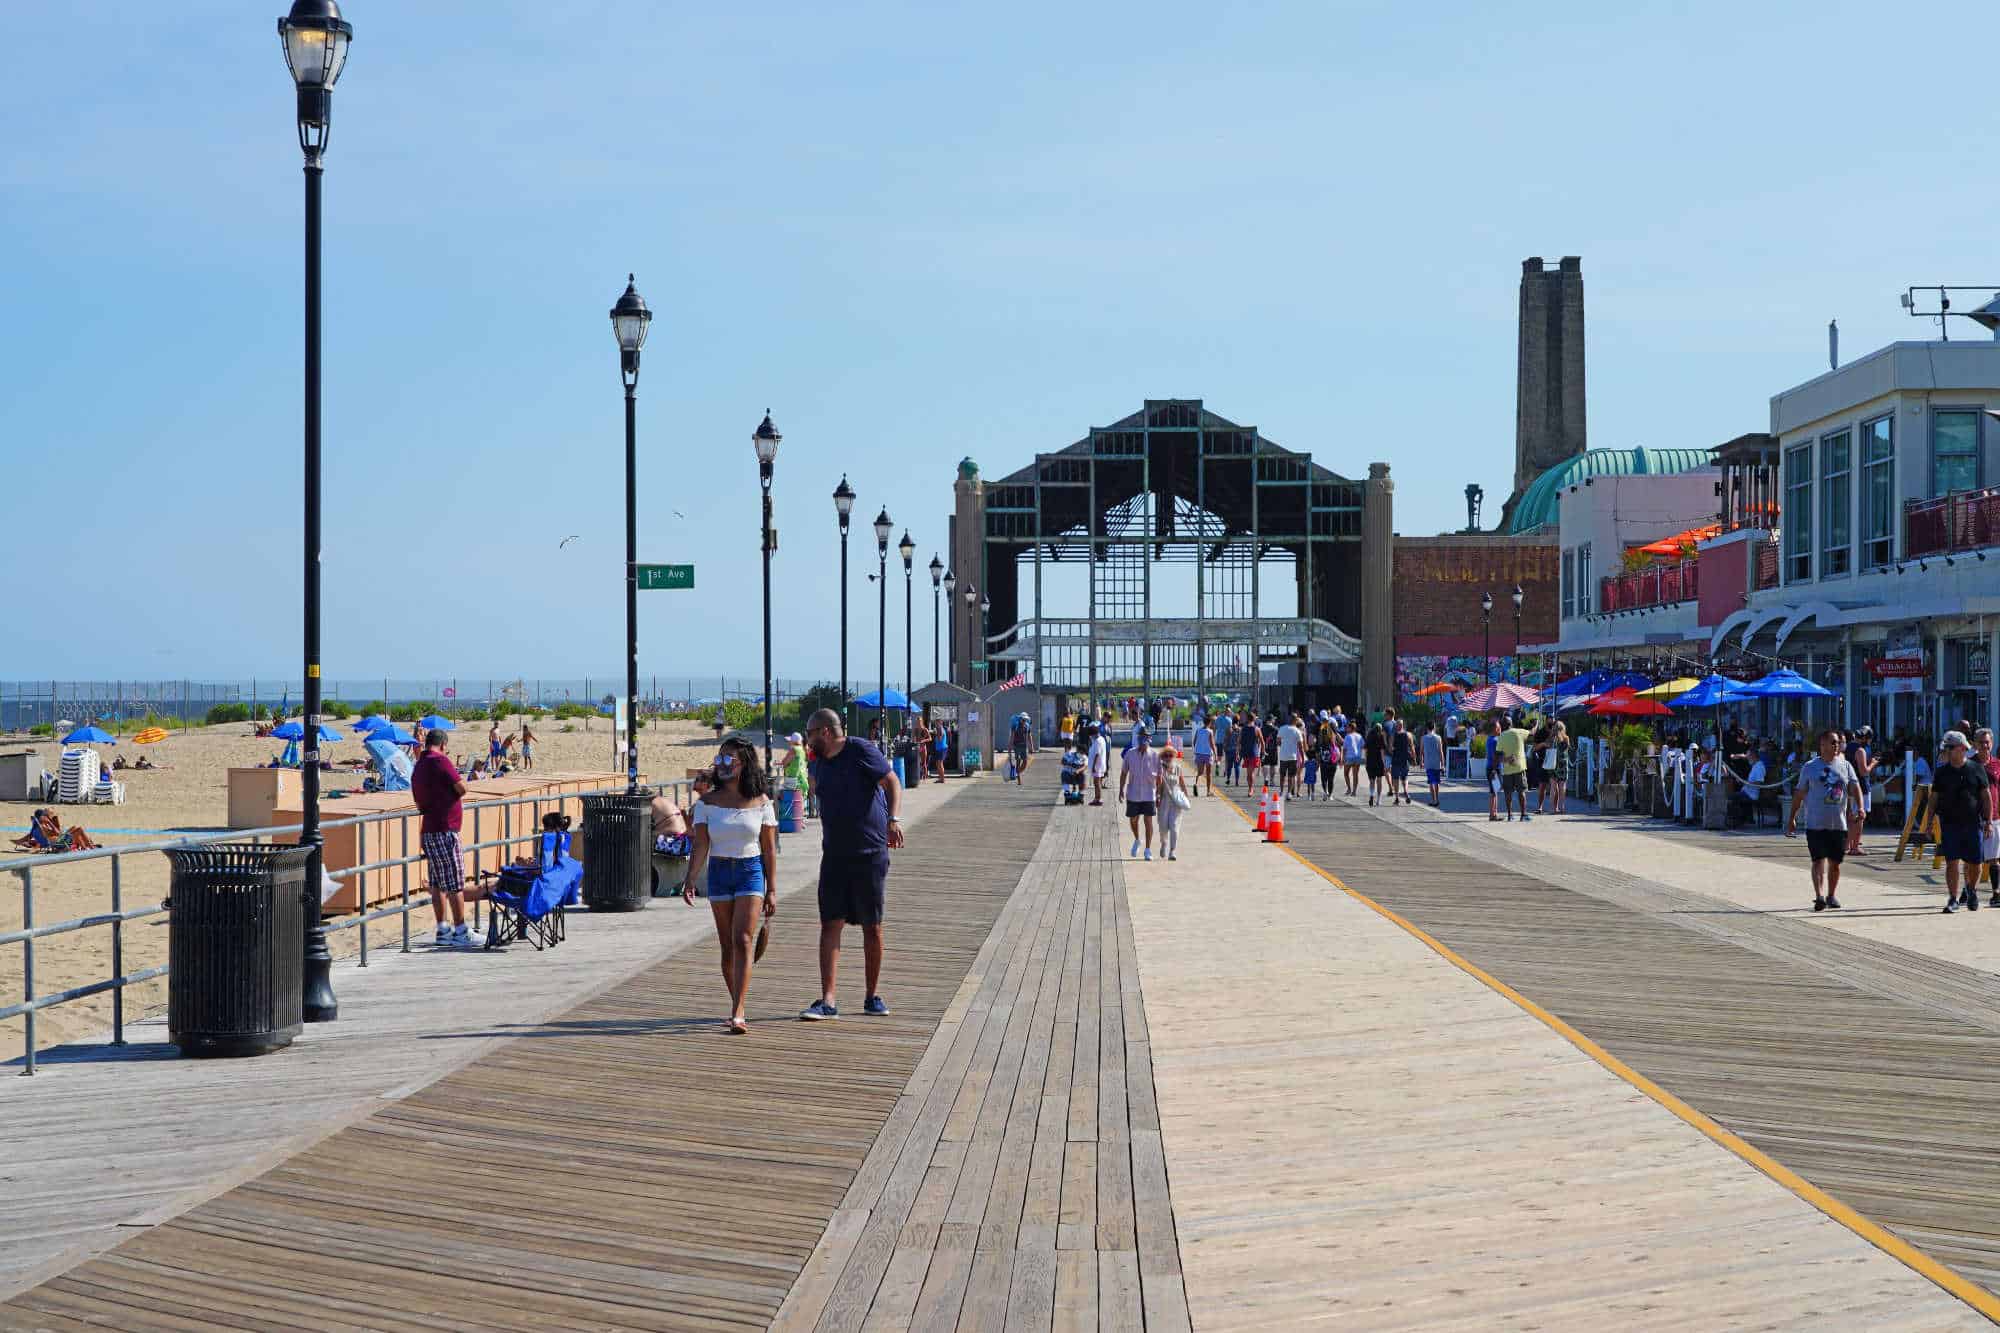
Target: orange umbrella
{"points": [[1442, 687], [1622, 702], [150, 736], [1680, 541]]}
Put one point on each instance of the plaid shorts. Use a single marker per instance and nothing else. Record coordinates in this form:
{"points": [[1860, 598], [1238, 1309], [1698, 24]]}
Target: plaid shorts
{"points": [[446, 861]]}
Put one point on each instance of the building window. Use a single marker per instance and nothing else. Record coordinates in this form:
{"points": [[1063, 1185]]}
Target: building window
{"points": [[1797, 518], [1586, 591], [1878, 492], [1835, 493], [1569, 584], [1954, 452]]}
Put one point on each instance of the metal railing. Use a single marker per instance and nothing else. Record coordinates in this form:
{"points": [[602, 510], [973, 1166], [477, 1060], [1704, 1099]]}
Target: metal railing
{"points": [[1961, 521], [119, 980], [1658, 585]]}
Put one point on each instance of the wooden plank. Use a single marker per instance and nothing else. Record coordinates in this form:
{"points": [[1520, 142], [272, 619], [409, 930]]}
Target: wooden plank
{"points": [[1120, 1308], [1076, 1292]]}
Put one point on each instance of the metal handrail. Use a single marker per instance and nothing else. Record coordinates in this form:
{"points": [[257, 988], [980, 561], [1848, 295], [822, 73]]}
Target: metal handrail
{"points": [[118, 915]]}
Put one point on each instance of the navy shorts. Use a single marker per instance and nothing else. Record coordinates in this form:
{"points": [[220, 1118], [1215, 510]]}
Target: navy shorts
{"points": [[733, 877], [1959, 842], [1399, 769], [852, 887]]}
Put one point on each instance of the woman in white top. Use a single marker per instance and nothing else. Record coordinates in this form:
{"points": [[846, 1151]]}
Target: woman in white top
{"points": [[736, 839]]}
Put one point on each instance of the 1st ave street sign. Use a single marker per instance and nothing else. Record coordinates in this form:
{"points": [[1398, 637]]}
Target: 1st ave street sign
{"points": [[665, 576]]}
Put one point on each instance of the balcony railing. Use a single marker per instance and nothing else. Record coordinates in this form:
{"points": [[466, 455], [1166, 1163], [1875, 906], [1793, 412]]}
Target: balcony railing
{"points": [[1767, 563], [1961, 521], [1660, 585]]}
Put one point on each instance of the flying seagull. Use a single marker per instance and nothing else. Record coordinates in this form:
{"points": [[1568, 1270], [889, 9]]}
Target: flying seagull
{"points": [[567, 540]]}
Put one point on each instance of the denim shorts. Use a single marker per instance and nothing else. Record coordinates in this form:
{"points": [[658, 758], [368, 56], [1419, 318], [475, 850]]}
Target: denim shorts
{"points": [[733, 878]]}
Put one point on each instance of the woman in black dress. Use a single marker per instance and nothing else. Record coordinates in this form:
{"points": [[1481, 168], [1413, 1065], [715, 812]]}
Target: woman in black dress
{"points": [[1374, 756]]}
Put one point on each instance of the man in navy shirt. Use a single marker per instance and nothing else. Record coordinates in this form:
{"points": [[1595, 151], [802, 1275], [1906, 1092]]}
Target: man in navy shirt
{"points": [[859, 798]]}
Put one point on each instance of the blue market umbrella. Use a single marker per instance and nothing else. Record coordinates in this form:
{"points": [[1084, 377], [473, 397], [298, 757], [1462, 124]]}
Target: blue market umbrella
{"points": [[1713, 690], [435, 723], [1780, 684], [88, 735], [874, 699]]}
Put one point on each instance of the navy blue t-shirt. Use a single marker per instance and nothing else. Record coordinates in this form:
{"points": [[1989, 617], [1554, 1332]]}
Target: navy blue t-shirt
{"points": [[853, 808]]}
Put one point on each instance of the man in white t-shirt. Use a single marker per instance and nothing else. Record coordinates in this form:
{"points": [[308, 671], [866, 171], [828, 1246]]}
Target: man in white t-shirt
{"points": [[1100, 763], [1291, 744]]}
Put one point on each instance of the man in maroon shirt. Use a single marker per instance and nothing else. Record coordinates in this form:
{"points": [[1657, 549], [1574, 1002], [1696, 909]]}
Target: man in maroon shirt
{"points": [[436, 787]]}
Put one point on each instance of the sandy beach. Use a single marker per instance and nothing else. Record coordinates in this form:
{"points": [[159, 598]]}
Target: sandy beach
{"points": [[190, 795]]}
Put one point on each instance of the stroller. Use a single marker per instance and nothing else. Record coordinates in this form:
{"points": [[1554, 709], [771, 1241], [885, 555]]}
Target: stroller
{"points": [[1072, 777]]}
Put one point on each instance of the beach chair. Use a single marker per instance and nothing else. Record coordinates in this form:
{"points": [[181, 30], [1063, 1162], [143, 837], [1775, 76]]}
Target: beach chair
{"points": [[528, 901]]}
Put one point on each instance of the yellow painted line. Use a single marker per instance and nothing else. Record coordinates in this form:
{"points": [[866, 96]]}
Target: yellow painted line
{"points": [[1974, 1295]]}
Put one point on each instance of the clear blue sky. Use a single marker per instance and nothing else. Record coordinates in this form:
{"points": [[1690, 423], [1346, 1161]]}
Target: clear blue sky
{"points": [[912, 232]]}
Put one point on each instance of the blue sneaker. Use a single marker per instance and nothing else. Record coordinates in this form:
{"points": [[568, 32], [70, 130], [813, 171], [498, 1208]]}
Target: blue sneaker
{"points": [[875, 1006], [818, 1010]]}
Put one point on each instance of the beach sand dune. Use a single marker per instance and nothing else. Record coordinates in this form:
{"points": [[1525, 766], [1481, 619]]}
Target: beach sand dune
{"points": [[191, 796]]}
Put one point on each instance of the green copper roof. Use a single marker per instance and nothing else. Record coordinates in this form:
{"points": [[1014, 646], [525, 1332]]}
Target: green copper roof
{"points": [[1538, 502]]}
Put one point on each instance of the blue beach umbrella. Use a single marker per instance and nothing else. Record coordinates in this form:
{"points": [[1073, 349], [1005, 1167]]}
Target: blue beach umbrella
{"points": [[87, 735], [435, 723], [874, 699], [373, 722], [292, 731]]}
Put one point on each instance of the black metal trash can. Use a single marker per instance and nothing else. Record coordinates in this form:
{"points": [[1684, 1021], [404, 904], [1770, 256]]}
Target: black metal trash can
{"points": [[235, 948], [617, 852]]}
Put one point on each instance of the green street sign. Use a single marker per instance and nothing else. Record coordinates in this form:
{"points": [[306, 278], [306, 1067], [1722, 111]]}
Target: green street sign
{"points": [[980, 665], [665, 576]]}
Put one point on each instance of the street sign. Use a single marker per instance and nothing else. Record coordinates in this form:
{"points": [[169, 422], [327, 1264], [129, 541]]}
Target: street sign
{"points": [[665, 576], [980, 665]]}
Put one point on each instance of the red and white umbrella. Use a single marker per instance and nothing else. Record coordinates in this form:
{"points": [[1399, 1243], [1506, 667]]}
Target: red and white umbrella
{"points": [[1503, 695]]}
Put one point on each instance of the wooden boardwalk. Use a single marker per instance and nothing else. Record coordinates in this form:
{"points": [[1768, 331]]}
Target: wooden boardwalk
{"points": [[1884, 1103], [623, 1165]]}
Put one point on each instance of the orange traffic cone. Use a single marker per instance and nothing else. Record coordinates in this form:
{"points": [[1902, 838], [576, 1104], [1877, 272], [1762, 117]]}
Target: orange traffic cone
{"points": [[1276, 832], [1263, 812]]}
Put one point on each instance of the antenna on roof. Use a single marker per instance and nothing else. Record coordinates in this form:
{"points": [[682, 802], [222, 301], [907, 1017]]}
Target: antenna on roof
{"points": [[1987, 316], [1833, 344]]}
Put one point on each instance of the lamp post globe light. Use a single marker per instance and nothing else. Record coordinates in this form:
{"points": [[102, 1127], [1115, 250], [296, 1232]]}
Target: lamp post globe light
{"points": [[951, 631], [843, 505], [315, 39], [908, 550], [1486, 630], [629, 321], [883, 527], [937, 578], [1518, 596], [765, 439]]}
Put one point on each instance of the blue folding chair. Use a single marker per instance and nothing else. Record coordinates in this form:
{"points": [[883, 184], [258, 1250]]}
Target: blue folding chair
{"points": [[528, 901]]}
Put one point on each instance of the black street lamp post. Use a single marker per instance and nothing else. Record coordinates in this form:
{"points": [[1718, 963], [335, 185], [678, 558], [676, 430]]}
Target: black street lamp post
{"points": [[882, 529], [766, 440], [985, 629], [1518, 595], [971, 649], [315, 38], [1486, 630], [843, 504], [908, 550], [951, 630], [629, 321], [937, 576]]}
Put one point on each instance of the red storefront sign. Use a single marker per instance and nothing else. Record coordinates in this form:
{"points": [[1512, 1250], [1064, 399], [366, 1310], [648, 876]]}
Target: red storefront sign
{"points": [[1895, 667]]}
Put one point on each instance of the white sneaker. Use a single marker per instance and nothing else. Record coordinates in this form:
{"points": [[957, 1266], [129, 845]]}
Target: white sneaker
{"points": [[463, 938], [443, 935]]}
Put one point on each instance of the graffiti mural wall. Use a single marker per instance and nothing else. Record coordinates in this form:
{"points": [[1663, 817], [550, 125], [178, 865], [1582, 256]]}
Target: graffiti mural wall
{"points": [[1416, 671]]}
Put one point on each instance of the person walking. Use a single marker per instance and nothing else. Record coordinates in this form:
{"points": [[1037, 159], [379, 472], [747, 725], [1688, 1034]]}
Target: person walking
{"points": [[1402, 752], [1352, 749], [1291, 750], [1827, 791], [1433, 761], [438, 791], [1138, 787], [1375, 750], [1018, 737], [1962, 796], [1204, 756], [1493, 770], [859, 804], [1100, 762], [1253, 751], [1512, 744], [1863, 763], [736, 840], [1564, 755], [1171, 795], [1989, 850], [527, 746], [1225, 753], [496, 748]]}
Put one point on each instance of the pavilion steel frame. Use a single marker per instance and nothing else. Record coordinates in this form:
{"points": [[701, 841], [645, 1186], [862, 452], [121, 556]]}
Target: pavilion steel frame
{"points": [[1172, 483]]}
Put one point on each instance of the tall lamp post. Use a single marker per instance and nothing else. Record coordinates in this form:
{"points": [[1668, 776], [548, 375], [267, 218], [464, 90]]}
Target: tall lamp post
{"points": [[951, 630], [843, 504], [971, 601], [883, 527], [985, 630], [766, 438], [908, 550], [1486, 630], [629, 321], [315, 39], [937, 577], [1518, 595]]}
